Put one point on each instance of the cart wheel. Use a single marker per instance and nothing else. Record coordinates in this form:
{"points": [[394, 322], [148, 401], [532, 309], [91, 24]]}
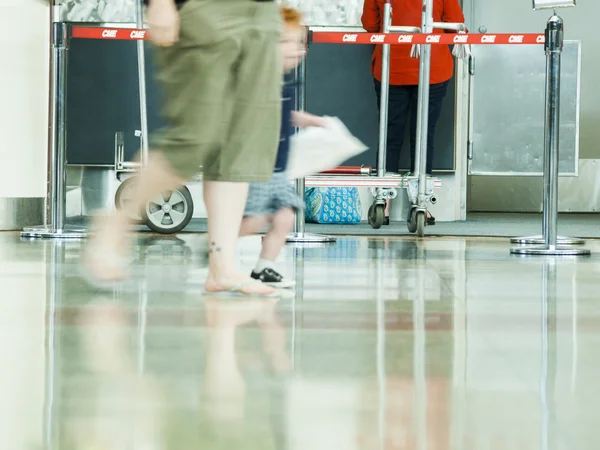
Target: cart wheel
{"points": [[412, 220], [376, 215], [170, 212], [421, 223], [123, 199]]}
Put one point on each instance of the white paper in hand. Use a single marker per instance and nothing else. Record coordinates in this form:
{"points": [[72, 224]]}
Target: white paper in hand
{"points": [[314, 150]]}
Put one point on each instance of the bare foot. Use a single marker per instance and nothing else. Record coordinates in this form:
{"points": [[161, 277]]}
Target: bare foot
{"points": [[106, 255], [243, 285]]}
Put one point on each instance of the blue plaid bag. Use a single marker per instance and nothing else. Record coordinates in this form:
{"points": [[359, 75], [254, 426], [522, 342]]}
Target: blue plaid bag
{"points": [[334, 205]]}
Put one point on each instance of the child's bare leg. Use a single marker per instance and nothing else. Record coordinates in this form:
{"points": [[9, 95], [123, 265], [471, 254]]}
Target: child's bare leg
{"points": [[253, 225], [283, 222]]}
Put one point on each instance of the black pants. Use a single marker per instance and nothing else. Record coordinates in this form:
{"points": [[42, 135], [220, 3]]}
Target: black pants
{"points": [[402, 105]]}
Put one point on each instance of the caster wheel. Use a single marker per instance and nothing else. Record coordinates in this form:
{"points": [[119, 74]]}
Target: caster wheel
{"points": [[170, 212], [376, 215], [123, 199], [412, 220], [421, 223]]}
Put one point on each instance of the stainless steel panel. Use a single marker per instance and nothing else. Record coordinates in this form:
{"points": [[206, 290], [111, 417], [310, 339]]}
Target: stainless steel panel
{"points": [[17, 213], [93, 188], [507, 113], [579, 194]]}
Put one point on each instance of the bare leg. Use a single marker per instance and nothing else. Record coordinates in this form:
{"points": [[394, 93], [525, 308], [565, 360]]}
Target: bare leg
{"points": [[111, 242], [283, 222], [225, 202], [253, 225]]}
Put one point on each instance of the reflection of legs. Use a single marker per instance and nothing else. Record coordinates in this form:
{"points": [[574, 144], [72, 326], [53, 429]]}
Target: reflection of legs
{"points": [[119, 398], [274, 341], [224, 386]]}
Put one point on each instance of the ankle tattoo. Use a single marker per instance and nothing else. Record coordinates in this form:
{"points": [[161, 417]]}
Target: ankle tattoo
{"points": [[213, 248]]}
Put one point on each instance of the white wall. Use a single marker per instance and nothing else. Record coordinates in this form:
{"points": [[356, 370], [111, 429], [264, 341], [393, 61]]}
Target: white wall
{"points": [[24, 78]]}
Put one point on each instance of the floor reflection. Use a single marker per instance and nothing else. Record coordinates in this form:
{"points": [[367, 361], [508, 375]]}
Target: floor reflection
{"points": [[441, 344]]}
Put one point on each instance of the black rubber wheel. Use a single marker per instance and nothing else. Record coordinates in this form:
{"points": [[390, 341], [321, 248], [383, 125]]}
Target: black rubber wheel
{"points": [[376, 216], [123, 198], [170, 212], [421, 223], [411, 223]]}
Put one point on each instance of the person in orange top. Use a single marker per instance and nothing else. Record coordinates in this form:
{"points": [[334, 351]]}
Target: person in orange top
{"points": [[404, 74]]}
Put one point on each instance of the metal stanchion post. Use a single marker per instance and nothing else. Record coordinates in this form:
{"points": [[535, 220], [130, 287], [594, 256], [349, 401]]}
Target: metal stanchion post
{"points": [[419, 210], [57, 147], [554, 45], [141, 58], [385, 95], [299, 236], [541, 239]]}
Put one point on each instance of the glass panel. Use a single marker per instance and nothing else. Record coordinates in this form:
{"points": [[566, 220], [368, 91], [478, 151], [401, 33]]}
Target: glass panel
{"points": [[105, 11], [336, 13]]}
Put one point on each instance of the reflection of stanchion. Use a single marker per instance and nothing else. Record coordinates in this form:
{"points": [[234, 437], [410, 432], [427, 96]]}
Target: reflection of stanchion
{"points": [[419, 350], [381, 372], [554, 44], [54, 293], [297, 310], [57, 197], [299, 236], [143, 293], [548, 295]]}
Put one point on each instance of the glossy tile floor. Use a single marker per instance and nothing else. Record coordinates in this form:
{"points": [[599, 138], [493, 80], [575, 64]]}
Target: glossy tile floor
{"points": [[440, 344]]}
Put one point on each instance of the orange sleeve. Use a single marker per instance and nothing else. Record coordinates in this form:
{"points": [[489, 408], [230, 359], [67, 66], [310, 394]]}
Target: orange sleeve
{"points": [[371, 20], [453, 12]]}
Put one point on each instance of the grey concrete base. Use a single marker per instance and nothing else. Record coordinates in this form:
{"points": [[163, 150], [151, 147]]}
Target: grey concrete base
{"points": [[17, 213]]}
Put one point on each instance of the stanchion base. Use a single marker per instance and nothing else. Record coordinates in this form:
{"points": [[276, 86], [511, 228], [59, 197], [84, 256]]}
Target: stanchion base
{"points": [[542, 250], [307, 238], [48, 232], [539, 240]]}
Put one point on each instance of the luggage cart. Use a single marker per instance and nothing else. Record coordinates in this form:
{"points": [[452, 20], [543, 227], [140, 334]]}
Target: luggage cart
{"points": [[420, 188]]}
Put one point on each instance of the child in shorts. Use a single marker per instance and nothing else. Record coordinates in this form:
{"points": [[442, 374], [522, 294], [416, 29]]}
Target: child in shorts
{"points": [[276, 202]]}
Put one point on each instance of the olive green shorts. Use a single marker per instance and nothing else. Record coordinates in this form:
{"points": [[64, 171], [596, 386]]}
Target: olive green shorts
{"points": [[221, 87]]}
